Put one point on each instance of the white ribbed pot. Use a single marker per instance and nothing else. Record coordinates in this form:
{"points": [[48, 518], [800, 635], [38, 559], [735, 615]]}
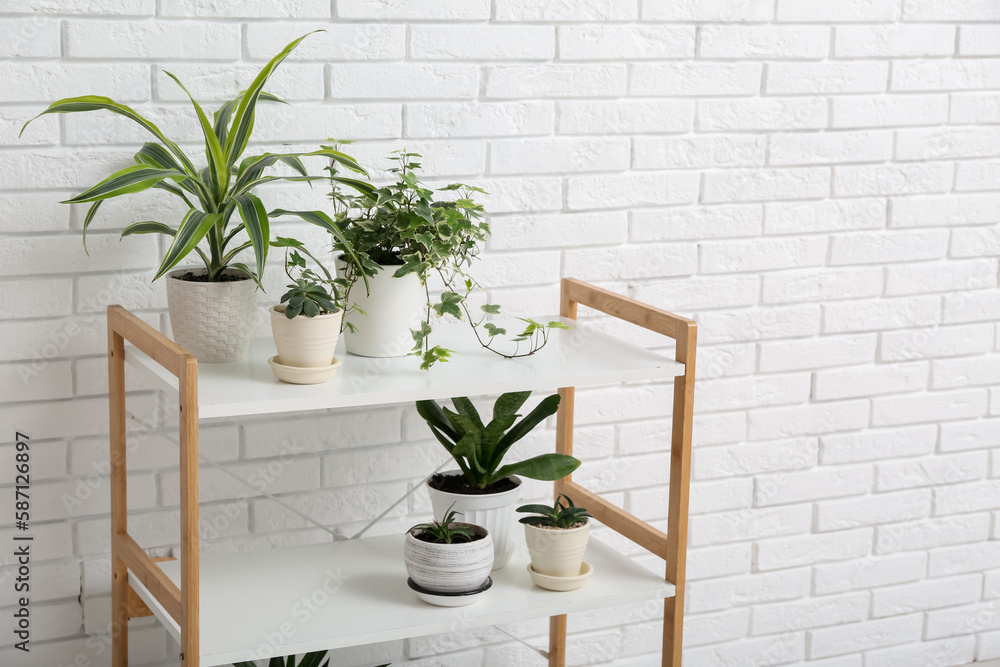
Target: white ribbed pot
{"points": [[557, 552], [212, 321], [493, 511], [306, 342], [449, 568], [393, 306]]}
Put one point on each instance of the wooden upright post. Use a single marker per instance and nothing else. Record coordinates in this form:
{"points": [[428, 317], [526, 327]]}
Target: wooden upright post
{"points": [[680, 481], [119, 497], [190, 538]]}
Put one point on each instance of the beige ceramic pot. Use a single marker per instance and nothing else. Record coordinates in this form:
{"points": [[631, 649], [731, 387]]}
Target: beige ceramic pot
{"points": [[557, 552], [305, 342]]}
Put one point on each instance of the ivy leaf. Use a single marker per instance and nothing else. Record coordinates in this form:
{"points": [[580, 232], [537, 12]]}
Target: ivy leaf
{"points": [[419, 335], [491, 308], [412, 264], [449, 305], [494, 330]]}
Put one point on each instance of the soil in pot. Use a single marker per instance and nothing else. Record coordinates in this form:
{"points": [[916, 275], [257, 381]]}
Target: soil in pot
{"points": [[202, 277], [457, 484]]}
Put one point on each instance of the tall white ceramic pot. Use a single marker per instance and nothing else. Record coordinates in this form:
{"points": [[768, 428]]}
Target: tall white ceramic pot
{"points": [[393, 306], [492, 511], [557, 552], [306, 342], [212, 321]]}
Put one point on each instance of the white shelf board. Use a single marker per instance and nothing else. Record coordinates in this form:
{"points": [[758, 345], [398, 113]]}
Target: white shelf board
{"points": [[579, 357], [326, 596]]}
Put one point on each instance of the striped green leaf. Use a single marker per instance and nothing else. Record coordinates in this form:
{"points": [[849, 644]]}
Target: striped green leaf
{"points": [[148, 227], [257, 225], [192, 230], [135, 178], [243, 119], [321, 219], [86, 222], [217, 167], [98, 103], [224, 113]]}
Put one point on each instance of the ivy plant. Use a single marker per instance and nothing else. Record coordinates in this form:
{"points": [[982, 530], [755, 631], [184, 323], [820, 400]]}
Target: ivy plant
{"points": [[223, 217], [405, 225], [479, 449]]}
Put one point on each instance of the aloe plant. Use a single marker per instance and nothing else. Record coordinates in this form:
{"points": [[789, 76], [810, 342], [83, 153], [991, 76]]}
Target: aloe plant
{"points": [[214, 193], [479, 448]]}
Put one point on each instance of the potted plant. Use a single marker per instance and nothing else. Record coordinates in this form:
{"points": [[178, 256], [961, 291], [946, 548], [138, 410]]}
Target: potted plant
{"points": [[314, 659], [306, 323], [448, 562], [557, 540], [402, 236], [212, 308], [482, 489]]}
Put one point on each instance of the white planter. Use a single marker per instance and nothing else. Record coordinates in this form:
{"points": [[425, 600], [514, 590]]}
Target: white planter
{"points": [[449, 568], [494, 512], [393, 307], [305, 342], [557, 552], [212, 321]]}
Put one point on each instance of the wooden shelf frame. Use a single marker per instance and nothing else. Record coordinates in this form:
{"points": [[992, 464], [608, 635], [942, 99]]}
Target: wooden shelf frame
{"points": [[182, 602], [672, 545]]}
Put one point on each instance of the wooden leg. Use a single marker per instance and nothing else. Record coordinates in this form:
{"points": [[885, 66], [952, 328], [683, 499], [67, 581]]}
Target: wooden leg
{"points": [[564, 445], [680, 480], [190, 541], [119, 496], [557, 641]]}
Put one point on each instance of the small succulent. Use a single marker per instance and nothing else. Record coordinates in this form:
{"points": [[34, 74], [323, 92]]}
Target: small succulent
{"points": [[309, 293], [557, 516], [447, 531]]}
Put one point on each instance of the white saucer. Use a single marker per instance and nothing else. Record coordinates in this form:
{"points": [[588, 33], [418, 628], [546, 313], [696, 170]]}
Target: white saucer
{"points": [[562, 583], [299, 375], [449, 599]]}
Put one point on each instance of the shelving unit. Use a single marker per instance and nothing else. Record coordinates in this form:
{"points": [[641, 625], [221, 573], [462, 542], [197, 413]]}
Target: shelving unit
{"points": [[205, 602]]}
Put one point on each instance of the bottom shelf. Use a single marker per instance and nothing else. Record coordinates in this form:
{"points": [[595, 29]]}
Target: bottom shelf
{"points": [[326, 596]]}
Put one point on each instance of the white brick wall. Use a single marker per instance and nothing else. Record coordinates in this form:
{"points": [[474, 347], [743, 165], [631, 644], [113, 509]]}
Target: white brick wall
{"points": [[815, 181]]}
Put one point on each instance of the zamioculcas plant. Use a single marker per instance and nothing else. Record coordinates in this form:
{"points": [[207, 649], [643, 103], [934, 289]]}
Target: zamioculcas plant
{"points": [[213, 193], [479, 448], [314, 659]]}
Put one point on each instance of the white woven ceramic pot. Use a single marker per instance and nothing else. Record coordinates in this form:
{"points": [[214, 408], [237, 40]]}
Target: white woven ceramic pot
{"points": [[557, 552], [212, 321], [305, 342], [449, 568], [393, 307], [493, 511]]}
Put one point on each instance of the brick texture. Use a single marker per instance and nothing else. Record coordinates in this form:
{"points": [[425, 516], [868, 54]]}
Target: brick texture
{"points": [[815, 181]]}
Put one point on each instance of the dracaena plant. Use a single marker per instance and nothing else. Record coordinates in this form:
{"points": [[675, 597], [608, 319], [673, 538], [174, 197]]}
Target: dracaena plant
{"points": [[402, 224], [479, 449], [223, 215], [559, 515]]}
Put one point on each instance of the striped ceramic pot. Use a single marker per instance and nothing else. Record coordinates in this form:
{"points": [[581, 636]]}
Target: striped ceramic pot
{"points": [[449, 568]]}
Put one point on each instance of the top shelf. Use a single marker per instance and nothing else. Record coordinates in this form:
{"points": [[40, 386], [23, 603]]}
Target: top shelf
{"points": [[578, 357]]}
